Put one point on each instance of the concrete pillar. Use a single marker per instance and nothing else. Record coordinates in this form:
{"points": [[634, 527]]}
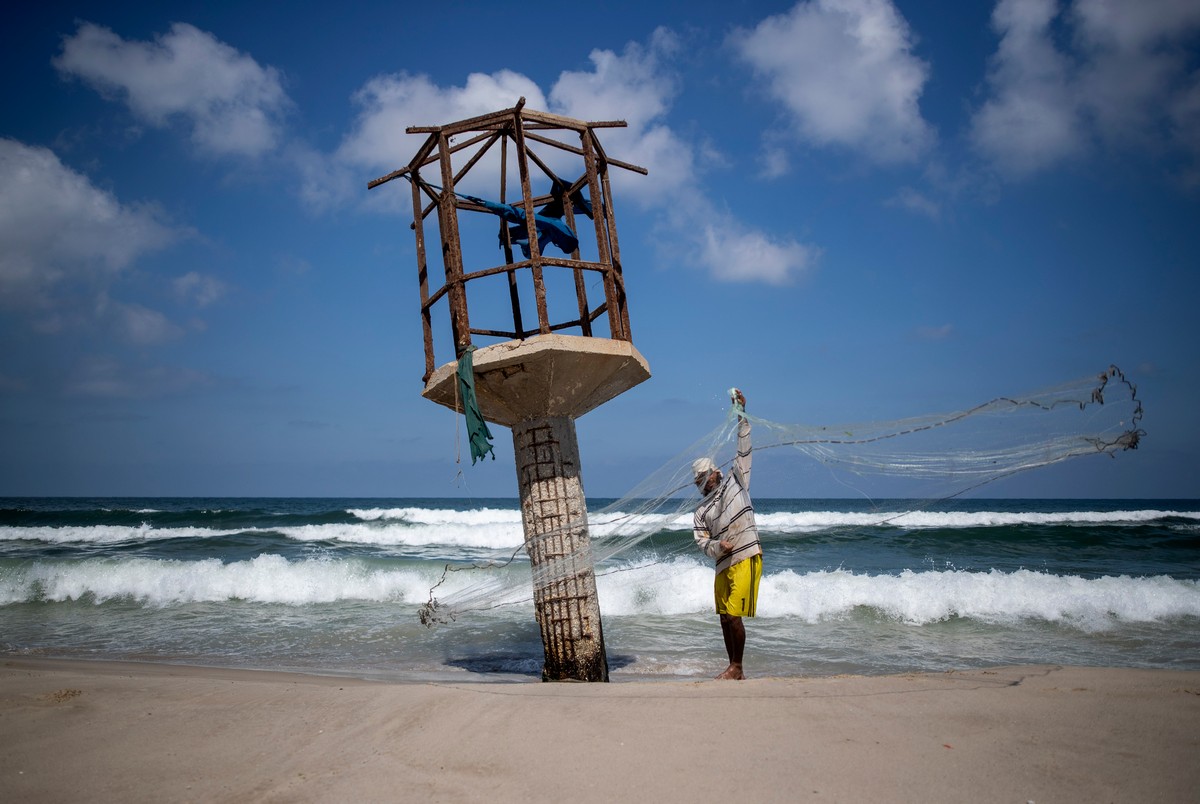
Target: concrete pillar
{"points": [[554, 513]]}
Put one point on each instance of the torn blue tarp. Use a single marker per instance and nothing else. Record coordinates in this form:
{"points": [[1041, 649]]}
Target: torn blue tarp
{"points": [[555, 208], [477, 429], [550, 230]]}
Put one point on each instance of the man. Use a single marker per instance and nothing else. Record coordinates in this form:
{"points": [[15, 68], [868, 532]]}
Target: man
{"points": [[724, 529]]}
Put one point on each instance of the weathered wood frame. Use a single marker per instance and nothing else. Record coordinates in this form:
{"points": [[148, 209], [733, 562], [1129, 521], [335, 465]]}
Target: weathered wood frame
{"points": [[521, 126]]}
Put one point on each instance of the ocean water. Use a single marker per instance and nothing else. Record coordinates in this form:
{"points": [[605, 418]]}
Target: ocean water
{"points": [[335, 586]]}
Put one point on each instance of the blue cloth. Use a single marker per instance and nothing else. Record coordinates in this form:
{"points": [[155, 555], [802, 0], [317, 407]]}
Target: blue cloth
{"points": [[549, 229], [555, 208]]}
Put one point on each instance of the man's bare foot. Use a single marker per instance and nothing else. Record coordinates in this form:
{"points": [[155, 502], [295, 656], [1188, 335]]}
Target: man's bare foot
{"points": [[732, 672]]}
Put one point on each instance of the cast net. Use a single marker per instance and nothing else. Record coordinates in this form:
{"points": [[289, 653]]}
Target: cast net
{"points": [[924, 460]]}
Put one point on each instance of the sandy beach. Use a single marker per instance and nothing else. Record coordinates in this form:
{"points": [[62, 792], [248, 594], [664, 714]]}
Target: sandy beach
{"points": [[100, 731]]}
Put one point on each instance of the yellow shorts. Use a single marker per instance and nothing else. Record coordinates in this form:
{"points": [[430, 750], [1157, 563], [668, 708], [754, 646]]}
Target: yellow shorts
{"points": [[736, 588]]}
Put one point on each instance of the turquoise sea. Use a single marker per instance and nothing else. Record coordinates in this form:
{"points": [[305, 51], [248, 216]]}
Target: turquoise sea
{"points": [[335, 586]]}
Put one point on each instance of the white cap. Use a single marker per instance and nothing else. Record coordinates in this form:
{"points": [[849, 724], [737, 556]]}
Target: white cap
{"points": [[702, 466]]}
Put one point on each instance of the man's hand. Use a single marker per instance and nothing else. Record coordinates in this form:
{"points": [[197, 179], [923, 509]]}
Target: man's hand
{"points": [[726, 546]]}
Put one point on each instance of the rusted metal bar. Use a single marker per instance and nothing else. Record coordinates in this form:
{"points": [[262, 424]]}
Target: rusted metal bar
{"points": [[395, 174], [618, 273], [428, 189], [497, 269], [558, 121], [434, 195], [477, 157], [498, 121], [523, 127], [497, 333], [494, 118], [605, 257], [455, 148], [422, 153], [579, 322], [452, 254], [535, 251], [588, 124], [542, 165], [547, 262], [468, 143], [436, 296], [463, 171], [565, 262], [470, 123], [585, 326], [514, 296], [569, 214], [579, 152], [423, 279], [553, 142]]}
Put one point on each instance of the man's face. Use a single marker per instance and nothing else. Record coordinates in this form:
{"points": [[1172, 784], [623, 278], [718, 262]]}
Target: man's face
{"points": [[706, 483]]}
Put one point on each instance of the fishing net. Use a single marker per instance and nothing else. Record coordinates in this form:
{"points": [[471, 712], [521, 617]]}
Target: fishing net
{"points": [[924, 460]]}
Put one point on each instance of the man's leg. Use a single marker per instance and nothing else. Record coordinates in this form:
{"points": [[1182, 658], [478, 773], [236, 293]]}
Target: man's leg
{"points": [[734, 633]]}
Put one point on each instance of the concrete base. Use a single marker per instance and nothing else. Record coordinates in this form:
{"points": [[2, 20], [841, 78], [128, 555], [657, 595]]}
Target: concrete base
{"points": [[543, 377], [554, 513], [538, 387]]}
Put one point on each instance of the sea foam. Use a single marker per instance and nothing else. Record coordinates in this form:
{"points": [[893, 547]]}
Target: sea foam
{"points": [[501, 529], [160, 582], [681, 586]]}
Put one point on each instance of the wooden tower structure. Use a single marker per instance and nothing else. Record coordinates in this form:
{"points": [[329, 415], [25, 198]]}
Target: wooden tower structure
{"points": [[558, 349]]}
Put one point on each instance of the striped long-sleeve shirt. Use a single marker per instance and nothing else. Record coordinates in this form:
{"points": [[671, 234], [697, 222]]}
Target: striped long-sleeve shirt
{"points": [[727, 512]]}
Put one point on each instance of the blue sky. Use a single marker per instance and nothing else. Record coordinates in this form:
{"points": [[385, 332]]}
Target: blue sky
{"points": [[878, 209]]}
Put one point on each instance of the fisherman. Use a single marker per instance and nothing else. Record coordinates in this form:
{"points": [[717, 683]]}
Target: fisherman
{"points": [[724, 529]]}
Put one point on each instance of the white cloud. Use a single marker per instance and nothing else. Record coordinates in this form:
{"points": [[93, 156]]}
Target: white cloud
{"points": [[105, 376], [57, 227], [1033, 118], [635, 85], [632, 86], [233, 105], [134, 323], [775, 162], [378, 143], [198, 289], [327, 181], [845, 73], [1136, 78], [1119, 78], [915, 201], [1185, 126], [733, 252], [1126, 25], [391, 103]]}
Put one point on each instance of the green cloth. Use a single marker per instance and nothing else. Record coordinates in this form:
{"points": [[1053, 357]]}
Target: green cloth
{"points": [[477, 429]]}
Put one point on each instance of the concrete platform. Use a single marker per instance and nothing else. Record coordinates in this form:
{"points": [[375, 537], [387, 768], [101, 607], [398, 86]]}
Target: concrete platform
{"points": [[543, 376]]}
